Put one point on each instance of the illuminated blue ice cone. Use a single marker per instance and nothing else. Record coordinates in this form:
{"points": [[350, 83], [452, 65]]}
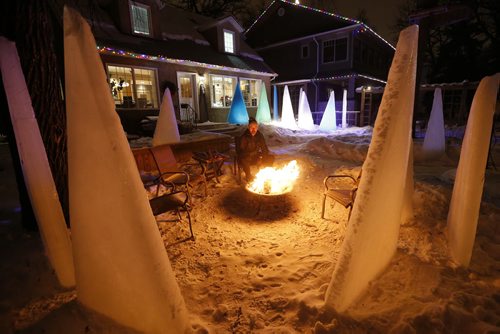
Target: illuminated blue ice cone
{"points": [[238, 113]]}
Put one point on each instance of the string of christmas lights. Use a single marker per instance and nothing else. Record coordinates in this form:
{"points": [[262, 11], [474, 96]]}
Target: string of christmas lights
{"points": [[185, 62], [345, 18], [337, 77]]}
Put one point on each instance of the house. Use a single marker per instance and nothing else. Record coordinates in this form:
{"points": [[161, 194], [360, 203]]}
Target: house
{"points": [[146, 45], [322, 52]]}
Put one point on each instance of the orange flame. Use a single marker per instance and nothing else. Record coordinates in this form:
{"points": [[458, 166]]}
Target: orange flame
{"points": [[273, 181]]}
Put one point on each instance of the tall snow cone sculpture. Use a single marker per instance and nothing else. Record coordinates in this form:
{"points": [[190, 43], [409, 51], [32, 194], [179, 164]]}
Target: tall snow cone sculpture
{"points": [[166, 131], [344, 109], [263, 112], [373, 229], [276, 115], [36, 170], [287, 116], [122, 269], [305, 115], [238, 113], [468, 187], [329, 119], [434, 141]]}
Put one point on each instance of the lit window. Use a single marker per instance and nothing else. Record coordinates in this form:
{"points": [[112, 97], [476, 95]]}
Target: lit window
{"points": [[222, 90], [250, 89], [335, 50], [133, 87], [140, 15], [228, 41]]}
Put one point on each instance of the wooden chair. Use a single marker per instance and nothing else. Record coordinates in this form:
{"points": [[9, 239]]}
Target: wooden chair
{"points": [[211, 163], [340, 193], [175, 201], [158, 164]]}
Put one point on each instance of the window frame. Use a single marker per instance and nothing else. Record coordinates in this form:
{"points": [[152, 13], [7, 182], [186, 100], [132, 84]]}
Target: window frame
{"points": [[258, 93], [210, 76], [134, 90], [334, 47], [233, 36], [132, 24]]}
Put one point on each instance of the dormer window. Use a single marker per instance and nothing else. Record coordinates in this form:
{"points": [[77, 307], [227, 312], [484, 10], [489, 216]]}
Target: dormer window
{"points": [[228, 41], [140, 15]]}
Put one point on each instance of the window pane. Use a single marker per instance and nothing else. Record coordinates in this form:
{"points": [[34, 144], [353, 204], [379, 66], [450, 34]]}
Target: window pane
{"points": [[145, 81], [228, 42], [217, 91], [222, 90], [186, 88], [140, 19], [121, 84], [127, 93], [250, 90], [341, 49], [228, 91], [328, 51]]}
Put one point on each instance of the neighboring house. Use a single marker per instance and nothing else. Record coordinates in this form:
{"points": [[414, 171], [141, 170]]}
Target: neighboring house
{"points": [[320, 52], [146, 46]]}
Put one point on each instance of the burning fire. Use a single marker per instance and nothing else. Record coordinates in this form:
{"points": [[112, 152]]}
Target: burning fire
{"points": [[273, 181]]}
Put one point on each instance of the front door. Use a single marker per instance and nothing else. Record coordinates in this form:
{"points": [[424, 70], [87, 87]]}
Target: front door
{"points": [[187, 96]]}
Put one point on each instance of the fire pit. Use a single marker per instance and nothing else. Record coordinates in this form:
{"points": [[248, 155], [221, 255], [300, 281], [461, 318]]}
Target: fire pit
{"points": [[272, 181]]}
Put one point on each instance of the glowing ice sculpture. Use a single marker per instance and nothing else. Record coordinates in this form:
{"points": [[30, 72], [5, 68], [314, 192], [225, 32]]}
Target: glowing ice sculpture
{"points": [[238, 113], [305, 116], [276, 115], [35, 166], [122, 268], [263, 112], [329, 119], [287, 116], [166, 130], [372, 233], [469, 181], [344, 109], [434, 141]]}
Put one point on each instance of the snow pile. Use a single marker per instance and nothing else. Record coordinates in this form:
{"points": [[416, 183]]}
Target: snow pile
{"points": [[262, 265]]}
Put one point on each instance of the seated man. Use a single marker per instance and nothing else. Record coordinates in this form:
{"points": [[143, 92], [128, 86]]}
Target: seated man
{"points": [[253, 149]]}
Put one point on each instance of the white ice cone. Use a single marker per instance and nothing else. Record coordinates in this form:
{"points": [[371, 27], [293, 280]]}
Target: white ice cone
{"points": [[434, 141], [122, 268], [407, 212], [468, 187], [329, 119], [36, 169], [305, 116], [372, 233], [166, 131], [287, 116], [344, 109]]}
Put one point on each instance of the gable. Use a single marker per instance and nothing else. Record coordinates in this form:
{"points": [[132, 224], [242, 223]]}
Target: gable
{"points": [[284, 20]]}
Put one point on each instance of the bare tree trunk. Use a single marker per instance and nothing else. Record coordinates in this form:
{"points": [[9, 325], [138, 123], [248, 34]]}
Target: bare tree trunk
{"points": [[39, 44]]}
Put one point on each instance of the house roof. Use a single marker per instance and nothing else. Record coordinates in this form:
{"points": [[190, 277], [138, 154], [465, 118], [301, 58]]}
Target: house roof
{"points": [[181, 42], [339, 75], [229, 19], [284, 20]]}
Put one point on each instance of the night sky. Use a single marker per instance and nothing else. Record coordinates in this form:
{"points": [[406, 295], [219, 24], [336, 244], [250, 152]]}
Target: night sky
{"points": [[381, 14]]}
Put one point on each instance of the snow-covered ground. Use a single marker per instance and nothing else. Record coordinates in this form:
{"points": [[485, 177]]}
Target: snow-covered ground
{"points": [[262, 265]]}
